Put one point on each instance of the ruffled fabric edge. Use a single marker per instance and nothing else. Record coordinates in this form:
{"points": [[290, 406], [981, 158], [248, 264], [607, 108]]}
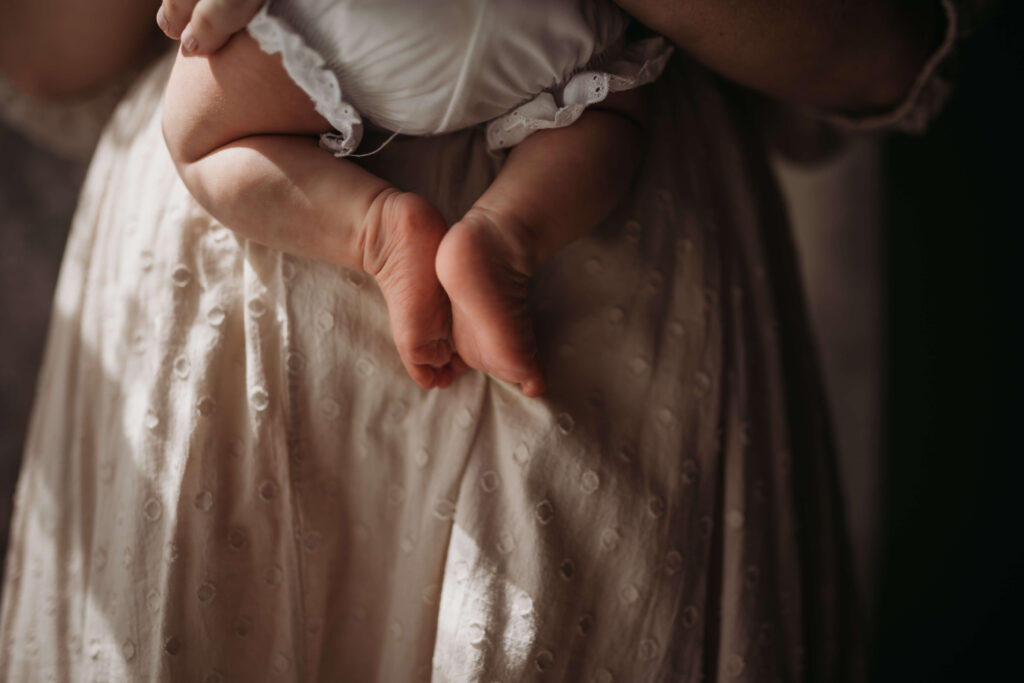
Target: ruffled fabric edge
{"points": [[639, 63], [928, 95], [308, 69]]}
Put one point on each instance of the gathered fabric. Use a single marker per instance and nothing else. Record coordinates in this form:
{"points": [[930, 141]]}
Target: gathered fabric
{"points": [[429, 68], [229, 476]]}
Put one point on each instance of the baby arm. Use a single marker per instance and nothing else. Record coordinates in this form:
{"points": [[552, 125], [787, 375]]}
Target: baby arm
{"points": [[243, 137], [556, 186]]}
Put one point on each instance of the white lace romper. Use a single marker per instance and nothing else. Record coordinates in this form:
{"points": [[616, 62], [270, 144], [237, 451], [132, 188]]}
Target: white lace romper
{"points": [[428, 68]]}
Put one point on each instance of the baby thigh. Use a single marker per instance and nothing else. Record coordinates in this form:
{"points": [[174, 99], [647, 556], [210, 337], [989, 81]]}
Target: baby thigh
{"points": [[238, 92]]}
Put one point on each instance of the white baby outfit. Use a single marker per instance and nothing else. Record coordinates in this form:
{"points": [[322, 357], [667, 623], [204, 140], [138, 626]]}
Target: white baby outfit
{"points": [[428, 67]]}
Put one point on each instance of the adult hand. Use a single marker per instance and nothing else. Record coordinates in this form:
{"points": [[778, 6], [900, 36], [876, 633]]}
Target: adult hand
{"points": [[203, 26]]}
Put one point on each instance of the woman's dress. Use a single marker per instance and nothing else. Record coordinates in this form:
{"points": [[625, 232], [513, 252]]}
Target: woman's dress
{"points": [[229, 476]]}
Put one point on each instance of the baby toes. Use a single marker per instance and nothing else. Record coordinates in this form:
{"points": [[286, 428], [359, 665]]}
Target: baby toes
{"points": [[485, 269], [423, 354], [418, 307], [436, 353]]}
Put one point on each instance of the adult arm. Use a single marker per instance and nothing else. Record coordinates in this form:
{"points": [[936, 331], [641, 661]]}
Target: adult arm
{"points": [[850, 56], [60, 49]]}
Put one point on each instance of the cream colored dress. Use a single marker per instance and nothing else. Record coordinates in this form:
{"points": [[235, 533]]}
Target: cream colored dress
{"points": [[229, 476]]}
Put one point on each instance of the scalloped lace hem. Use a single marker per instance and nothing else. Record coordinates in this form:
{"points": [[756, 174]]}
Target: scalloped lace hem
{"points": [[307, 68], [639, 64]]}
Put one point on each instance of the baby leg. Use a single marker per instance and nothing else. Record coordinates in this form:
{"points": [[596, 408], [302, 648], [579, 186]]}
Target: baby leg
{"points": [[556, 186], [243, 137]]}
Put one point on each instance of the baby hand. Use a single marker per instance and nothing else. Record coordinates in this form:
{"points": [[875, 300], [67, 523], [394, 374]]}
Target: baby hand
{"points": [[203, 26], [485, 263], [400, 240]]}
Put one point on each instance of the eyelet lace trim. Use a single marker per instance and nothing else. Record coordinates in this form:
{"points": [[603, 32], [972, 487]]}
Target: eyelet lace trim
{"points": [[307, 68], [638, 64]]}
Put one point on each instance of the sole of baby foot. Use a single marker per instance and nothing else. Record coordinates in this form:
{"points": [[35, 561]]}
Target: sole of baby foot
{"points": [[485, 265], [400, 245]]}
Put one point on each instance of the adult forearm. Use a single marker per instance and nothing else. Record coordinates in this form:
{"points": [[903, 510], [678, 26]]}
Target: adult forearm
{"points": [[844, 55], [55, 49]]}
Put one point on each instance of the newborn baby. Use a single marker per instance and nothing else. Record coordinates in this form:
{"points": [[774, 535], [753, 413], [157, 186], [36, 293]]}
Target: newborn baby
{"points": [[555, 80]]}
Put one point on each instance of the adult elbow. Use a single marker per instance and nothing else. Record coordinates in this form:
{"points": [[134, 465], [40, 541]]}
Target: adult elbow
{"points": [[39, 82]]}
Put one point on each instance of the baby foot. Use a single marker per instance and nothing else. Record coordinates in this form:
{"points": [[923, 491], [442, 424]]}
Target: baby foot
{"points": [[485, 263], [401, 238]]}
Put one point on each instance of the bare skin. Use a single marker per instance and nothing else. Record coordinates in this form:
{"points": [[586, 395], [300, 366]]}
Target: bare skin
{"points": [[254, 164], [555, 186], [854, 57], [59, 49], [241, 134], [203, 26], [830, 54]]}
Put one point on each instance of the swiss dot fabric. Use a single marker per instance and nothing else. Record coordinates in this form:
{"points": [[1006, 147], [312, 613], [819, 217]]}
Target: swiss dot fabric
{"points": [[229, 476]]}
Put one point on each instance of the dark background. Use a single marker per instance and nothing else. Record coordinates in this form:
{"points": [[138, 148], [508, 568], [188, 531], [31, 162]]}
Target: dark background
{"points": [[37, 199], [949, 604]]}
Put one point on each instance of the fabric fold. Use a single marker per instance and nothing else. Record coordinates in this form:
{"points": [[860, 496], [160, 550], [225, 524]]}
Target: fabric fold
{"points": [[308, 69]]}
